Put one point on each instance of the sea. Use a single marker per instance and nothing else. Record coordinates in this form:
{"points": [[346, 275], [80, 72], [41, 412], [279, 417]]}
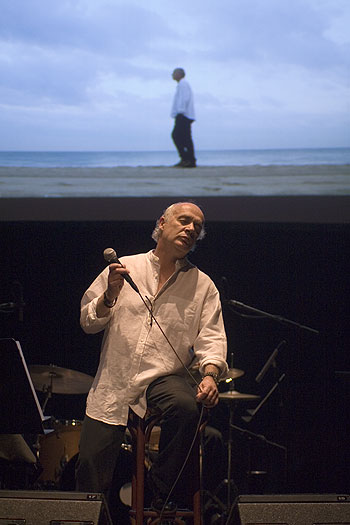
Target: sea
{"points": [[235, 157]]}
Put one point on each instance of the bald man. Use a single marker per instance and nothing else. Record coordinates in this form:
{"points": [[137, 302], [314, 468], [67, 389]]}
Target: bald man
{"points": [[139, 367]]}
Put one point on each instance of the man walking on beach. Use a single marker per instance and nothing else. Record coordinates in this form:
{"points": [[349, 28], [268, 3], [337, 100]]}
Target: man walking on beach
{"points": [[183, 112]]}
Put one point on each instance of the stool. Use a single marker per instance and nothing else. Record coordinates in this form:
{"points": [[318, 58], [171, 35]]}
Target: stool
{"points": [[140, 430]]}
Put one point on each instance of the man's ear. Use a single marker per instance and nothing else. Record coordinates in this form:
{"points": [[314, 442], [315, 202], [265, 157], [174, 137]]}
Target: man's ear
{"points": [[161, 223]]}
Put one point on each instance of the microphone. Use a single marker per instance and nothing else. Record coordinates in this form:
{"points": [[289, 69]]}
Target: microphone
{"points": [[111, 257], [269, 362]]}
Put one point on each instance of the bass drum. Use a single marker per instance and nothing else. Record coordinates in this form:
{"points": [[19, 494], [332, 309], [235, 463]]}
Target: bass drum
{"points": [[121, 489], [56, 448]]}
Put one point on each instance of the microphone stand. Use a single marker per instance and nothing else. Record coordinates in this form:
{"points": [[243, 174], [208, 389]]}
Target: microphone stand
{"points": [[278, 318], [17, 303], [262, 438], [270, 362], [253, 412]]}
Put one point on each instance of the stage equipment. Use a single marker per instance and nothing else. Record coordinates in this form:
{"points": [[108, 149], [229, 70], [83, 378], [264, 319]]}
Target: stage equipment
{"points": [[13, 447], [270, 362], [252, 412], [232, 397], [20, 411], [51, 379], [60, 443], [17, 301], [291, 509], [233, 373], [60, 380], [53, 508], [260, 313], [56, 449]]}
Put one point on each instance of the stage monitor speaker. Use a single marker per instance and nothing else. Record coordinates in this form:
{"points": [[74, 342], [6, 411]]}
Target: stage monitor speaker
{"points": [[292, 509], [19, 507]]}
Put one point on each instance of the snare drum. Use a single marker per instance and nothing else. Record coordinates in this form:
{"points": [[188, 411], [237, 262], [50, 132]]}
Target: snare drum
{"points": [[56, 448]]}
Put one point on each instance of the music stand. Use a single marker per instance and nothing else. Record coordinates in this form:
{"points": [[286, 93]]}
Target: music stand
{"points": [[20, 411]]}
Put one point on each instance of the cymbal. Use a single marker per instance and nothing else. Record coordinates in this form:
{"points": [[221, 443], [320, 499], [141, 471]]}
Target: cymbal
{"points": [[233, 395], [233, 373], [59, 380]]}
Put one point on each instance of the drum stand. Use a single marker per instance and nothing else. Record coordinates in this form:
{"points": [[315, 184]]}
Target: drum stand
{"points": [[223, 509], [48, 394], [230, 509], [228, 481]]}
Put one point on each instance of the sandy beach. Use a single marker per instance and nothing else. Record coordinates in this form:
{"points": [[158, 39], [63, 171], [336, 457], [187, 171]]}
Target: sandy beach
{"points": [[313, 193], [161, 181]]}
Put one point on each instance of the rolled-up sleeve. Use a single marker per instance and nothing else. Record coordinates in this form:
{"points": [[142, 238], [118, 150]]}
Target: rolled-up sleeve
{"points": [[210, 346], [90, 323]]}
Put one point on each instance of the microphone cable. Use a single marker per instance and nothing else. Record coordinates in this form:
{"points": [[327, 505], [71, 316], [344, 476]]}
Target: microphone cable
{"points": [[184, 463], [202, 406], [111, 257]]}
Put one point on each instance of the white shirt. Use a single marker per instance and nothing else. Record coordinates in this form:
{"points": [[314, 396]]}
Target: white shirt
{"points": [[134, 351], [183, 101]]}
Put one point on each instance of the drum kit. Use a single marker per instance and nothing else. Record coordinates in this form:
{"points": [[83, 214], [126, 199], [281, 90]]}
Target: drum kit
{"points": [[232, 397], [59, 445], [57, 448]]}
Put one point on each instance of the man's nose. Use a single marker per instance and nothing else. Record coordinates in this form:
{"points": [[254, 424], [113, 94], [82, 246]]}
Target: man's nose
{"points": [[190, 228]]}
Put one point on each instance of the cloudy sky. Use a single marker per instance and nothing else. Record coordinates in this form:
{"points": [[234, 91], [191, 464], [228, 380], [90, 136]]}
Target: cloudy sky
{"points": [[96, 74]]}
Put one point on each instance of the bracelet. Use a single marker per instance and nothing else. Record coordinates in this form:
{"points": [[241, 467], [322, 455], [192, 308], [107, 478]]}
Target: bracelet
{"points": [[214, 375], [108, 303]]}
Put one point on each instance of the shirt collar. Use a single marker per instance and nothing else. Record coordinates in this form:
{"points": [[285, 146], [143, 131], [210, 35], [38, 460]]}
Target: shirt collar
{"points": [[180, 263]]}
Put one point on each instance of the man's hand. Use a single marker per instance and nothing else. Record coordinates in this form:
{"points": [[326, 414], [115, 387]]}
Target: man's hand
{"points": [[115, 284], [208, 393], [115, 280]]}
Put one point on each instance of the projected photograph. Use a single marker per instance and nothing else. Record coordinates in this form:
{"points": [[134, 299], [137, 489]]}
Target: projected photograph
{"points": [[204, 145], [129, 100]]}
